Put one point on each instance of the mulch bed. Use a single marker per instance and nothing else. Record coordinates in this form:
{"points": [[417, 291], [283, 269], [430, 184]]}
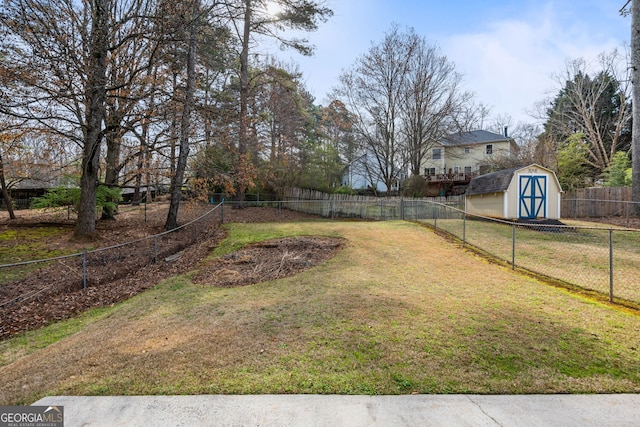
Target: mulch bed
{"points": [[270, 260], [55, 292]]}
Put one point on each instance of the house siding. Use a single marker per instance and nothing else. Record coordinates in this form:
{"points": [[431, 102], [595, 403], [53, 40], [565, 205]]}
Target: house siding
{"points": [[455, 156]]}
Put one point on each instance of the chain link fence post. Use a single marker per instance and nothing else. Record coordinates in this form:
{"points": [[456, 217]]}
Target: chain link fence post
{"points": [[435, 216], [464, 227], [513, 247], [84, 270], [611, 265], [155, 249]]}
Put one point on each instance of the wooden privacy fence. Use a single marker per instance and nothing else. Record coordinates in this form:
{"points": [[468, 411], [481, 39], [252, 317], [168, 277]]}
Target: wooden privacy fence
{"points": [[581, 203], [365, 207], [304, 194], [598, 202]]}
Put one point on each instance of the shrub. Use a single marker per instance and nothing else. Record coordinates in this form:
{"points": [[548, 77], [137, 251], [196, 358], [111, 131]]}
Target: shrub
{"points": [[106, 197]]}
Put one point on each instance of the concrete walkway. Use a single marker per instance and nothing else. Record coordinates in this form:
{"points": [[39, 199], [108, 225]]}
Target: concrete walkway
{"points": [[618, 410]]}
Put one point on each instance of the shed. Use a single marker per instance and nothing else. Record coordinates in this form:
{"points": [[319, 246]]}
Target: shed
{"points": [[530, 192]]}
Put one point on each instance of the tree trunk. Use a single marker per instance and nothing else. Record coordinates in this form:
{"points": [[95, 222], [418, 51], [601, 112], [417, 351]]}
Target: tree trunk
{"points": [[95, 102], [5, 192], [174, 128], [137, 195], [243, 134], [178, 176], [147, 167], [635, 101], [144, 147], [111, 173]]}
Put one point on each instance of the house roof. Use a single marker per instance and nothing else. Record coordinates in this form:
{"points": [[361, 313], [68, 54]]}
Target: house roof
{"points": [[32, 184], [473, 137], [493, 182]]}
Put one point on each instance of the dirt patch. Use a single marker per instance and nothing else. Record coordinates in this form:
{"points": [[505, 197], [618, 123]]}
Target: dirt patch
{"points": [[60, 290], [270, 260]]}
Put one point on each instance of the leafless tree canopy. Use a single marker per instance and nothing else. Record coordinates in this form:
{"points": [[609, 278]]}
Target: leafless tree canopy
{"points": [[405, 96]]}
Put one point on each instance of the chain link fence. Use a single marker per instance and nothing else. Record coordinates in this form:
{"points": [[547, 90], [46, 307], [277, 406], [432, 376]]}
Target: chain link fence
{"points": [[598, 259], [605, 259], [34, 284]]}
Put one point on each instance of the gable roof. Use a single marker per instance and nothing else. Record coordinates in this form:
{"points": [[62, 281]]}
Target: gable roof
{"points": [[493, 182], [473, 137], [496, 182]]}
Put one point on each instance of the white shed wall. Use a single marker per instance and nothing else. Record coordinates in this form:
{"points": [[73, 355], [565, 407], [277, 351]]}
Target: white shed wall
{"points": [[507, 204]]}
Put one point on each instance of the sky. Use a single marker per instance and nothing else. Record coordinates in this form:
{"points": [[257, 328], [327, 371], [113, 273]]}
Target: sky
{"points": [[508, 51]]}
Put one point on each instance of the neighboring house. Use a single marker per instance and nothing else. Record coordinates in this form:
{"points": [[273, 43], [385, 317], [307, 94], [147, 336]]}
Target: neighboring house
{"points": [[364, 174], [461, 156], [531, 192], [28, 181], [23, 192]]}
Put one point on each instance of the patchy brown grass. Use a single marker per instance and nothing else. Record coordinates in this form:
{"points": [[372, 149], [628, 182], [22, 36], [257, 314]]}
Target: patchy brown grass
{"points": [[398, 310]]}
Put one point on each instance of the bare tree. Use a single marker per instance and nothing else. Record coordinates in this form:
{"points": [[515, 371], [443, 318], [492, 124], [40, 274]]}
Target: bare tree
{"points": [[433, 105], [95, 96], [594, 105], [7, 140], [635, 78], [177, 179], [404, 96], [129, 84], [59, 51], [373, 90]]}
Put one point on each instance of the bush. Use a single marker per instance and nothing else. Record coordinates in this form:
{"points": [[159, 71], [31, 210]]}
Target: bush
{"points": [[618, 173], [64, 196], [416, 186], [344, 190]]}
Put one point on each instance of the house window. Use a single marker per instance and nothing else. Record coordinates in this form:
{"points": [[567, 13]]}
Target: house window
{"points": [[489, 149], [429, 171], [456, 169], [437, 154], [467, 150], [467, 169]]}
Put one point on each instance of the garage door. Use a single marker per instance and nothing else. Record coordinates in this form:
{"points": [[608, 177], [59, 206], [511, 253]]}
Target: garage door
{"points": [[533, 196]]}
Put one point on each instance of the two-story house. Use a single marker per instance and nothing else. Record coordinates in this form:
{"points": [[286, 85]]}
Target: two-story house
{"points": [[462, 156]]}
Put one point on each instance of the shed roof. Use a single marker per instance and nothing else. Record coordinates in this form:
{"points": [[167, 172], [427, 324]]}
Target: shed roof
{"points": [[493, 182], [473, 137], [496, 182]]}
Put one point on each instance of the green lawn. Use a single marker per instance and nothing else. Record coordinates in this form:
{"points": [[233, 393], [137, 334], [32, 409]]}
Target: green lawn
{"points": [[400, 310]]}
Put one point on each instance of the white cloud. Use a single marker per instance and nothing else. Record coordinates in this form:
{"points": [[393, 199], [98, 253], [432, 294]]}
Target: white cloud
{"points": [[510, 65], [508, 58]]}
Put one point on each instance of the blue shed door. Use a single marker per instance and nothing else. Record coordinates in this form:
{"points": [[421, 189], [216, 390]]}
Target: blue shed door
{"points": [[533, 196]]}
